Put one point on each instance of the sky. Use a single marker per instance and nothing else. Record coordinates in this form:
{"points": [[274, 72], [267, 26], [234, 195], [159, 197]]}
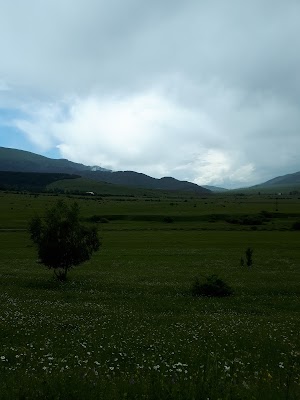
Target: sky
{"points": [[202, 90]]}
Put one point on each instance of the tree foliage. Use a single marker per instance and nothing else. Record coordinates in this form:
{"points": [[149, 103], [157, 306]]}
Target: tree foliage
{"points": [[62, 241]]}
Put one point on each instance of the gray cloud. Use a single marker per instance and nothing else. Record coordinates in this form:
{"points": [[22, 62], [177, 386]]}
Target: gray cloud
{"points": [[205, 91]]}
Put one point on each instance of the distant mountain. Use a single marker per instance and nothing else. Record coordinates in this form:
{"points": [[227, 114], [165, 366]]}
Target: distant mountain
{"points": [[24, 161], [281, 184], [289, 179], [215, 189], [131, 178]]}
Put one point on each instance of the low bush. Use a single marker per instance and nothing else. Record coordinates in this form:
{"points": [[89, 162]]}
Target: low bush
{"points": [[296, 226], [266, 214], [255, 219], [97, 219], [212, 287]]}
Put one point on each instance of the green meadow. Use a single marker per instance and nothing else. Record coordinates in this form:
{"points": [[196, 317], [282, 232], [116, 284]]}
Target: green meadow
{"points": [[125, 325]]}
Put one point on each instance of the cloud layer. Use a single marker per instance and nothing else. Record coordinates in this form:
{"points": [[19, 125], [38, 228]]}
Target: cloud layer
{"points": [[204, 91]]}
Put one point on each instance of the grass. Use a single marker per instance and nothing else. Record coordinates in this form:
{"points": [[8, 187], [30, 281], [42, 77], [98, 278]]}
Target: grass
{"points": [[126, 325]]}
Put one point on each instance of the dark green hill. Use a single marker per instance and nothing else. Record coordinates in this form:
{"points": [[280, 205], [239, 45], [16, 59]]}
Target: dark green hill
{"points": [[131, 178], [85, 186], [32, 181]]}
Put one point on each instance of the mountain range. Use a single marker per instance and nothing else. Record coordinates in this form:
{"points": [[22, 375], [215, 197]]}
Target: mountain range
{"points": [[24, 161], [18, 162]]}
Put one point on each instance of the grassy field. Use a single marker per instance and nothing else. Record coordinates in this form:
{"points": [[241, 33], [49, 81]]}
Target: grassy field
{"points": [[125, 325]]}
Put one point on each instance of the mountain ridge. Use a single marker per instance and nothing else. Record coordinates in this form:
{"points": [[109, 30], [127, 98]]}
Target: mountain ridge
{"points": [[14, 159], [287, 179], [17, 160], [24, 161]]}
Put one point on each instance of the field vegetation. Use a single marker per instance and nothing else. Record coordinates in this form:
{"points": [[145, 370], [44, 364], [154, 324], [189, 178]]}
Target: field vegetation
{"points": [[126, 324]]}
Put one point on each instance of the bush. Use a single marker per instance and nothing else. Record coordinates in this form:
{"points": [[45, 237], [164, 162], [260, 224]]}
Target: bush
{"points": [[296, 226], [97, 219], [212, 287], [266, 214], [168, 220], [104, 220], [255, 219]]}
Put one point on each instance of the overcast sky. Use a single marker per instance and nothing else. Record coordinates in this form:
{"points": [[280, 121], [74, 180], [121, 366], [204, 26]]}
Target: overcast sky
{"points": [[201, 90]]}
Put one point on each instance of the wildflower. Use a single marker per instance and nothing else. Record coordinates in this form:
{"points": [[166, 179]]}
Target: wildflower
{"points": [[269, 376], [244, 383]]}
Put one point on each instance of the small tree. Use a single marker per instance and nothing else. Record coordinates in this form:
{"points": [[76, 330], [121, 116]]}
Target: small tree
{"points": [[62, 241], [249, 259]]}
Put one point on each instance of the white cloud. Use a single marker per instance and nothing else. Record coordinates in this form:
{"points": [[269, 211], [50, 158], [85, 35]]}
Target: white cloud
{"points": [[149, 133], [119, 132]]}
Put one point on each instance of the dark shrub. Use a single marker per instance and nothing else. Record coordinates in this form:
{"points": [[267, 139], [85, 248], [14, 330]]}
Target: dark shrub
{"points": [[98, 218], [248, 254], [212, 287], [168, 220], [266, 214], [252, 220], [94, 218], [296, 226], [256, 219], [104, 220]]}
